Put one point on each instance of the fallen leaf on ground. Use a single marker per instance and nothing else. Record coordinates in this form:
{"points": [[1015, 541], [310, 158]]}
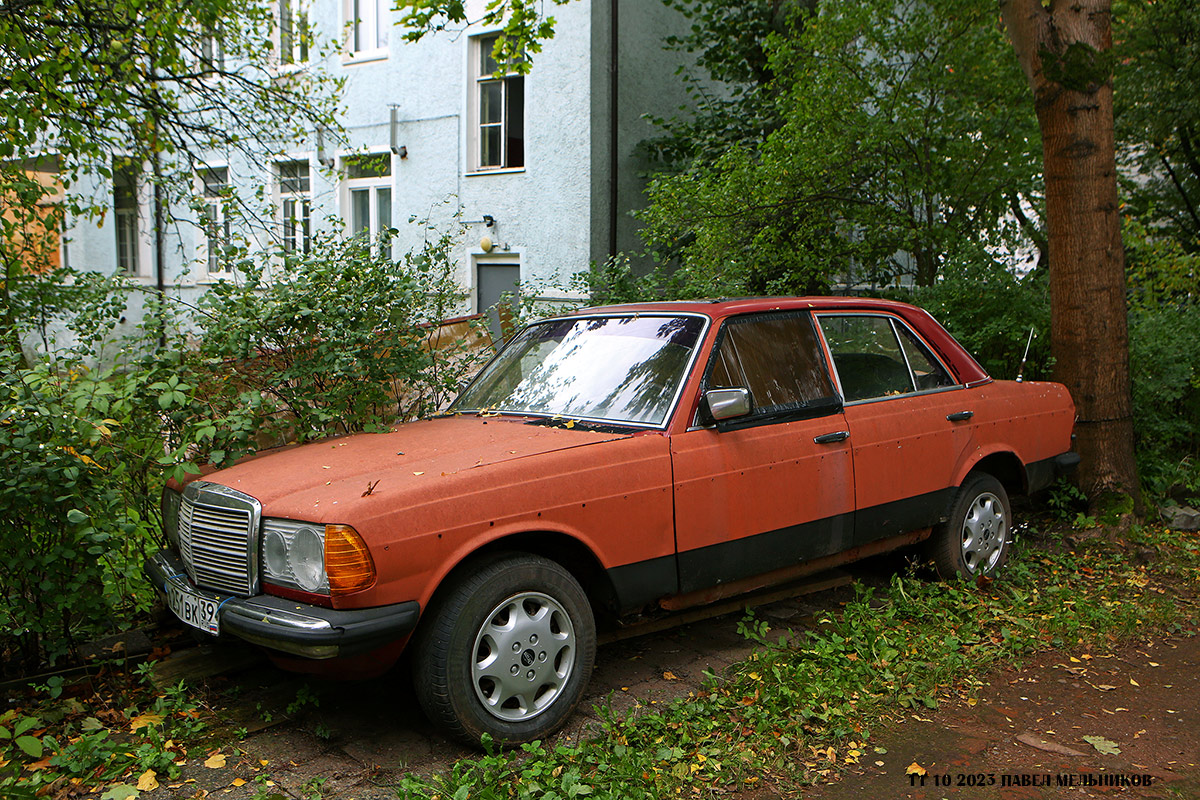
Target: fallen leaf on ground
{"points": [[215, 761], [670, 676], [148, 782], [1033, 740], [144, 720], [915, 769], [1102, 745], [122, 791]]}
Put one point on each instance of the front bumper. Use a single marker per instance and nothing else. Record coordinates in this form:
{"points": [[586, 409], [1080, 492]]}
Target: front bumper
{"points": [[291, 627]]}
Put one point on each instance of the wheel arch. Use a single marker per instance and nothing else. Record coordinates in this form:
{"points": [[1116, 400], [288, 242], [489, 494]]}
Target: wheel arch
{"points": [[574, 555], [1004, 466]]}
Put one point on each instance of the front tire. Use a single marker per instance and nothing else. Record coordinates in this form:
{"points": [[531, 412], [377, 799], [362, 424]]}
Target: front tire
{"points": [[507, 651], [975, 540]]}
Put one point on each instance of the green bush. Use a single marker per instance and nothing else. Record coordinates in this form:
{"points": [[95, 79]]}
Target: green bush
{"points": [[75, 511], [991, 311], [341, 339], [338, 340]]}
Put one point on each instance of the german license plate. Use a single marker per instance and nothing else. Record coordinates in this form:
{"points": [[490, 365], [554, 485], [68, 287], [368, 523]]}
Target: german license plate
{"points": [[193, 609]]}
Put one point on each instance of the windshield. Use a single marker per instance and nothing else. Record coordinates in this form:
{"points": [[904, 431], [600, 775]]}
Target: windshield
{"points": [[619, 369]]}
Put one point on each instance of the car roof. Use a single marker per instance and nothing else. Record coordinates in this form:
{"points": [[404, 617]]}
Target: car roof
{"points": [[963, 363], [729, 306]]}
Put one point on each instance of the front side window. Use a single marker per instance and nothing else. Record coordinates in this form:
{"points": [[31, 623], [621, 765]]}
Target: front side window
{"points": [[775, 356], [368, 194], [618, 369], [295, 206], [877, 357], [214, 220], [125, 214], [500, 111], [367, 24]]}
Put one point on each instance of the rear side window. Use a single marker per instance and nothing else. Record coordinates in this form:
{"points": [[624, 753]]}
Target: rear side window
{"points": [[877, 357], [777, 357]]}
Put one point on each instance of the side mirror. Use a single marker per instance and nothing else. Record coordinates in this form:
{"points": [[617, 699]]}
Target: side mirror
{"points": [[728, 403]]}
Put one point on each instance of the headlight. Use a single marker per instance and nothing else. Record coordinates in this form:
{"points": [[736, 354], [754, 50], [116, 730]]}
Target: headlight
{"points": [[306, 557], [315, 558], [169, 506]]}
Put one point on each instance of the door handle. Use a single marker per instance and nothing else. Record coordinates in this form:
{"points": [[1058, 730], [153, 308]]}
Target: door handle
{"points": [[960, 416], [829, 438]]}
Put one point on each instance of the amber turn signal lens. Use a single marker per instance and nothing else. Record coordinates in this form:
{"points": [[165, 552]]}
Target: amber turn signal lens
{"points": [[348, 562]]}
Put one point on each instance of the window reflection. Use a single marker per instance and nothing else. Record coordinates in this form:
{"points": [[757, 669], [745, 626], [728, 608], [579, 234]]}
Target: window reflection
{"points": [[620, 369]]}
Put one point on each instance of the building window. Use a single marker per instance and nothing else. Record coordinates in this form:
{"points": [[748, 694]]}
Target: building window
{"points": [[295, 31], [368, 193], [33, 234], [500, 111], [295, 206], [212, 52], [367, 24], [213, 218], [125, 214]]}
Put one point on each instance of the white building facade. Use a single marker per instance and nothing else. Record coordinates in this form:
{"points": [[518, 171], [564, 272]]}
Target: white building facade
{"points": [[542, 169]]}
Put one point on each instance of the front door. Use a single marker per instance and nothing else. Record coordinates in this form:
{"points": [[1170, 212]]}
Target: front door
{"points": [[775, 487]]}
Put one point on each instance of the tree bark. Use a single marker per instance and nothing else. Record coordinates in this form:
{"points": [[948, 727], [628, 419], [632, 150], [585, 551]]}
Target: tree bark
{"points": [[1064, 49]]}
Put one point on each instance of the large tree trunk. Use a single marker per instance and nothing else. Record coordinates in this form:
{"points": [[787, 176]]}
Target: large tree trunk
{"points": [[1064, 49]]}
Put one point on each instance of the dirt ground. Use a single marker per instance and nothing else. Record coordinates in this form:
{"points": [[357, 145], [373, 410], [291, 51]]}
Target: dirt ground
{"points": [[1022, 737]]}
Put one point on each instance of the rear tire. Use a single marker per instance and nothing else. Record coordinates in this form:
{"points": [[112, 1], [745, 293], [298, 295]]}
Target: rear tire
{"points": [[507, 651], [975, 540]]}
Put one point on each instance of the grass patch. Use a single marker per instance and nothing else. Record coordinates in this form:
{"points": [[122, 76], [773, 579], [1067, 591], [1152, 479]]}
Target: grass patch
{"points": [[804, 703], [802, 706]]}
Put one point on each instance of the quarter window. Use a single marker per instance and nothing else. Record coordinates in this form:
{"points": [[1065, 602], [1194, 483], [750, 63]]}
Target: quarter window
{"points": [[876, 357], [777, 358], [500, 111]]}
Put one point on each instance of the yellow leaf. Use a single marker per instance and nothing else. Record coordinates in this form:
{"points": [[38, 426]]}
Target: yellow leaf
{"points": [[263, 761], [238, 782], [915, 769], [571, 424], [144, 720], [148, 782], [1133, 682], [754, 676], [418, 473], [215, 761], [1075, 660], [669, 676]]}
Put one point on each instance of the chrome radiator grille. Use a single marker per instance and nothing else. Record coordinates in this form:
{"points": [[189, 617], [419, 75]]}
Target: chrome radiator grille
{"points": [[218, 537]]}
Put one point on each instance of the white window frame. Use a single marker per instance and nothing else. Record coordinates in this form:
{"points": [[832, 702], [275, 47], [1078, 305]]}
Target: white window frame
{"points": [[135, 221], [295, 38], [367, 24], [213, 217], [480, 52], [373, 186], [295, 231]]}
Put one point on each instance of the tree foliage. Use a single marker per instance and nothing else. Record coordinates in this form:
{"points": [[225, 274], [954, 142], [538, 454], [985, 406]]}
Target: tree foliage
{"points": [[901, 145], [163, 84], [1157, 117]]}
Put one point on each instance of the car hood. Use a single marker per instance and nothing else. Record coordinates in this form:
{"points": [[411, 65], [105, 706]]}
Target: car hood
{"points": [[323, 481]]}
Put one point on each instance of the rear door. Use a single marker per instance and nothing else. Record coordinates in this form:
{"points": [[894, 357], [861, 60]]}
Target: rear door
{"points": [[775, 487], [909, 423]]}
